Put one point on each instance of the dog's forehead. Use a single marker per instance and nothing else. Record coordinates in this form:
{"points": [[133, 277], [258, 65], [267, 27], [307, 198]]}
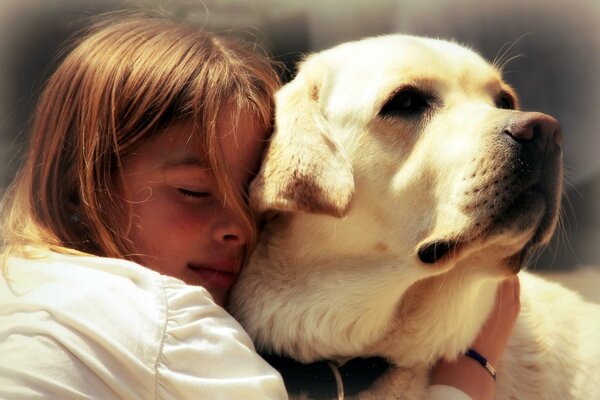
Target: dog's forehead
{"points": [[401, 52], [371, 67]]}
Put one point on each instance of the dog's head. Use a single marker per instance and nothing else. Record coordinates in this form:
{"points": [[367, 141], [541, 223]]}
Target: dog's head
{"points": [[395, 159], [423, 135]]}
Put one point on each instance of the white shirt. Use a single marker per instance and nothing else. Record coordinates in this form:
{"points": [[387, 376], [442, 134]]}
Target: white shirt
{"points": [[84, 327], [74, 327]]}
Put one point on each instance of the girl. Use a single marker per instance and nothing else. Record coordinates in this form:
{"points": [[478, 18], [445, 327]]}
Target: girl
{"points": [[142, 145], [128, 223]]}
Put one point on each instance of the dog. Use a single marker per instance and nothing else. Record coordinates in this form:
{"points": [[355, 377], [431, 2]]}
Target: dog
{"points": [[400, 186]]}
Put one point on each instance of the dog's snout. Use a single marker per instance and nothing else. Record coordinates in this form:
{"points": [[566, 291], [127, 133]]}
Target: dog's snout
{"points": [[535, 127]]}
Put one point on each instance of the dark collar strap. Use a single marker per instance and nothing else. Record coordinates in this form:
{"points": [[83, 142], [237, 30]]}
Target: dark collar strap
{"points": [[317, 379]]}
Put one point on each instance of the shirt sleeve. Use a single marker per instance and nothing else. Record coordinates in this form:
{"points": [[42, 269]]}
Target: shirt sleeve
{"points": [[206, 354], [444, 392]]}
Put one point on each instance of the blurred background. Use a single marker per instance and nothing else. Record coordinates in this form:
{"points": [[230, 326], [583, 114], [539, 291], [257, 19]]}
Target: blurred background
{"points": [[555, 45]]}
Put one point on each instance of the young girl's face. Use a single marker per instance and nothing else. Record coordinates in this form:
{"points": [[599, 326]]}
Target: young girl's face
{"points": [[180, 226]]}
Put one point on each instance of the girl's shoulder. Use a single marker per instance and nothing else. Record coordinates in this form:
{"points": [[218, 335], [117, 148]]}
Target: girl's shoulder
{"points": [[69, 280], [114, 325], [97, 288], [113, 296], [86, 294]]}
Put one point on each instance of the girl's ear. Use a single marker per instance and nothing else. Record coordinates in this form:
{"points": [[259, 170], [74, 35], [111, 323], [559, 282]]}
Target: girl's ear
{"points": [[305, 168]]}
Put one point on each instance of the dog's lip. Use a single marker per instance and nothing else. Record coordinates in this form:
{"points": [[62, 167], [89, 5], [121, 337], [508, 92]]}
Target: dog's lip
{"points": [[434, 251]]}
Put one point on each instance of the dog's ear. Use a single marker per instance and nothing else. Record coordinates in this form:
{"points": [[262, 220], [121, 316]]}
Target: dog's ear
{"points": [[305, 168]]}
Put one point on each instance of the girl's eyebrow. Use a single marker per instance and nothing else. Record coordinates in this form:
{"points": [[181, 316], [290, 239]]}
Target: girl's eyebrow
{"points": [[186, 163]]}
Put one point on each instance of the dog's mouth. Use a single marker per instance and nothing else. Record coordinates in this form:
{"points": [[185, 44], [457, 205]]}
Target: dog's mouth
{"points": [[436, 251]]}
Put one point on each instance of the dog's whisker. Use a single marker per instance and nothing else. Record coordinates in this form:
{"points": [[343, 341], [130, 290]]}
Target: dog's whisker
{"points": [[499, 54], [503, 57], [563, 239]]}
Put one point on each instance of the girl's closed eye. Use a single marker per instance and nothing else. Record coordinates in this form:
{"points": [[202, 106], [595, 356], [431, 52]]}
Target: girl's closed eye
{"points": [[194, 194]]}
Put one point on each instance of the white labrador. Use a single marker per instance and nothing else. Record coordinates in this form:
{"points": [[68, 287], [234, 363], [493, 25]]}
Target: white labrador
{"points": [[401, 185]]}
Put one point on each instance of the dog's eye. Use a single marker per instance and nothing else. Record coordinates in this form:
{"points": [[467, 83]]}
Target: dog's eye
{"points": [[505, 102], [408, 102]]}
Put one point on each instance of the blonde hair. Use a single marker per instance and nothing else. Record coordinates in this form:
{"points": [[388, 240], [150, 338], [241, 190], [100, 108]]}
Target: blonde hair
{"points": [[125, 81]]}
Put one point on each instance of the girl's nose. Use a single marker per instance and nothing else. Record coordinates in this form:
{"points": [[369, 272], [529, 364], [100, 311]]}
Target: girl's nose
{"points": [[228, 230]]}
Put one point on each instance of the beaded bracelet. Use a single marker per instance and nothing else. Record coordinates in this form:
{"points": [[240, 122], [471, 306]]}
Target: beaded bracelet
{"points": [[481, 360]]}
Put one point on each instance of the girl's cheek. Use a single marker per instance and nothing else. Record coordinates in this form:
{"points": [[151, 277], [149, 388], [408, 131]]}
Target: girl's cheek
{"points": [[191, 213]]}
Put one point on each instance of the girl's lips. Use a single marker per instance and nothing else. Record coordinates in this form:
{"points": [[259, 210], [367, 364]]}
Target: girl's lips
{"points": [[219, 275]]}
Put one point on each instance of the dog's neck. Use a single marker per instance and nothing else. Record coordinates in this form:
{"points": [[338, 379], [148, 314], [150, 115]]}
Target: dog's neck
{"points": [[461, 295], [383, 309]]}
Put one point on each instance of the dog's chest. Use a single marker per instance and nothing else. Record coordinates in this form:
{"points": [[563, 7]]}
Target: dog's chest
{"points": [[323, 380]]}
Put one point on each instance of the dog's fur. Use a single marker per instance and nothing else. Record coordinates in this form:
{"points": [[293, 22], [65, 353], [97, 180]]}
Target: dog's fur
{"points": [[399, 192]]}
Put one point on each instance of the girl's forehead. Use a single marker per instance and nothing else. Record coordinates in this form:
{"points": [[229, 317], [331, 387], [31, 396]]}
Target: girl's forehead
{"points": [[241, 140], [175, 144]]}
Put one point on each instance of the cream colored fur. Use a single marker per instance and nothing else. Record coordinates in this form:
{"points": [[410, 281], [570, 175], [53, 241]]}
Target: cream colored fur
{"points": [[352, 195]]}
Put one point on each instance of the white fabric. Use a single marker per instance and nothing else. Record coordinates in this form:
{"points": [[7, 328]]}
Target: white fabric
{"points": [[443, 392], [74, 327]]}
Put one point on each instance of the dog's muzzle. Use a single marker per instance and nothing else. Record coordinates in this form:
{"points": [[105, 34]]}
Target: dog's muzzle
{"points": [[534, 143], [520, 176]]}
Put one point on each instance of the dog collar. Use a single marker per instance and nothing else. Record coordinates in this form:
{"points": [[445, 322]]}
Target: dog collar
{"points": [[325, 380]]}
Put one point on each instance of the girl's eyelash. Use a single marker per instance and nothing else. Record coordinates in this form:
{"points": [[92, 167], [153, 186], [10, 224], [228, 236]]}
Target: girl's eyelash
{"points": [[190, 193]]}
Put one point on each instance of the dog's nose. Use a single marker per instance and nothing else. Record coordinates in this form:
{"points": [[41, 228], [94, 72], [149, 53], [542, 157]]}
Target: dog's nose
{"points": [[535, 127]]}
